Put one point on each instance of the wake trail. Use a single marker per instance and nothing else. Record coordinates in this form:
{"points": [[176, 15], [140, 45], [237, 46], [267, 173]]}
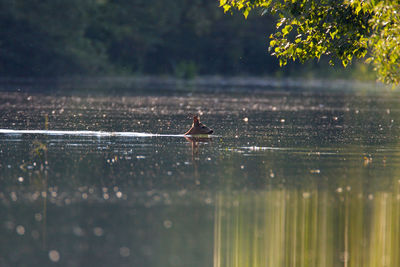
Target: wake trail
{"points": [[85, 133]]}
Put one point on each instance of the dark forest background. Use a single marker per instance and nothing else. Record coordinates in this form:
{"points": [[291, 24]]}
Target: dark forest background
{"points": [[139, 37]]}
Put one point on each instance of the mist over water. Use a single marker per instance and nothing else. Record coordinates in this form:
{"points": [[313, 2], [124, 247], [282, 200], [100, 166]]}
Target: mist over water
{"points": [[289, 179]]}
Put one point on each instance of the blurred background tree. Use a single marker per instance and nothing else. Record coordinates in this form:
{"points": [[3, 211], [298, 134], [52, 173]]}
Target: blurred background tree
{"points": [[50, 38]]}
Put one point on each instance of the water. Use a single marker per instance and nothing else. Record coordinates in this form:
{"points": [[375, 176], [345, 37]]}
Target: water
{"points": [[289, 179]]}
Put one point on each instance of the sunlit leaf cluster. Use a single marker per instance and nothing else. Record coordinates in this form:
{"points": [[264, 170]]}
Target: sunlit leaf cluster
{"points": [[338, 29], [385, 41]]}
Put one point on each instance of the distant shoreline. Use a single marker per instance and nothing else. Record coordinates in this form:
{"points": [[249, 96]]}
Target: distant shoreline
{"points": [[207, 83]]}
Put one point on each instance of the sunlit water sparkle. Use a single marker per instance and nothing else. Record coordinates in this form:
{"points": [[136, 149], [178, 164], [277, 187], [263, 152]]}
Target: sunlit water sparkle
{"points": [[290, 178]]}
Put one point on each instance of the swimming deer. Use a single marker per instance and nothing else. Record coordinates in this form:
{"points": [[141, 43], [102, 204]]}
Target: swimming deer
{"points": [[198, 127]]}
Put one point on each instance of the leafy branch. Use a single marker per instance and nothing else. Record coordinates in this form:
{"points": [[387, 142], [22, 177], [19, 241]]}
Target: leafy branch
{"points": [[343, 30]]}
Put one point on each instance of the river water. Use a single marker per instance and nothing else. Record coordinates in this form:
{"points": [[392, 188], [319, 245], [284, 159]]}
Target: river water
{"points": [[289, 178]]}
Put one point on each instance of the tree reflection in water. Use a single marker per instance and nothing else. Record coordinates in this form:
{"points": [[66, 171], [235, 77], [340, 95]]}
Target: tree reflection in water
{"points": [[290, 227]]}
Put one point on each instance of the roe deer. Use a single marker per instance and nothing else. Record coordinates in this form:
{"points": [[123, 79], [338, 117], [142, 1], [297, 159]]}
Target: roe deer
{"points": [[198, 127]]}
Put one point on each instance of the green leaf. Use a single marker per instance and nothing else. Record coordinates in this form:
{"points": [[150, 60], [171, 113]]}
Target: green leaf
{"points": [[287, 30], [226, 8], [246, 12], [358, 9]]}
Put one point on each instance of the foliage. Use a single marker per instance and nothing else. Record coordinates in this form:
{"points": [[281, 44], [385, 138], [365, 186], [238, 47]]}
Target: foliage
{"points": [[124, 37], [47, 37], [385, 40], [102, 37], [185, 70], [344, 30]]}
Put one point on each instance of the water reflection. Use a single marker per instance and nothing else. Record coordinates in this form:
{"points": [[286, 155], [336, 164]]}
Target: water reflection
{"points": [[317, 227], [292, 179], [196, 142]]}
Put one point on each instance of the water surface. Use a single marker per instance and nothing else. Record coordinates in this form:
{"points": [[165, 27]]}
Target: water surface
{"points": [[289, 179]]}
